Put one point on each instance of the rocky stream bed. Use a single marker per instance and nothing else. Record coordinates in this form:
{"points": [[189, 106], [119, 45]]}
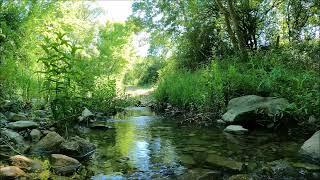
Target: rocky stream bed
{"points": [[138, 144]]}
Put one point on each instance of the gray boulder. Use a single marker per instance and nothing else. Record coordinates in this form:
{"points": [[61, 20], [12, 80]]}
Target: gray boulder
{"points": [[77, 147], [12, 136], [235, 129], [311, 148], [271, 106], [63, 164], [22, 125], [17, 117], [85, 115], [48, 144], [35, 135]]}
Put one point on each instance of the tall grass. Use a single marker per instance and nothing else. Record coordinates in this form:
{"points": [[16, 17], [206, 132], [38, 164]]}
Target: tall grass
{"points": [[276, 73]]}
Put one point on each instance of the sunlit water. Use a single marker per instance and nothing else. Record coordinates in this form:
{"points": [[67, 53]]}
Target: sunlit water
{"points": [[145, 146]]}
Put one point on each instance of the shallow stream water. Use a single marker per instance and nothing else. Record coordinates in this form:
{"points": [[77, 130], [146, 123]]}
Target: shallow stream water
{"points": [[142, 145]]}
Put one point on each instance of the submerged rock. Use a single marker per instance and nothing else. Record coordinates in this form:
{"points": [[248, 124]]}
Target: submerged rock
{"points": [[282, 169], [63, 164], [311, 148], [22, 125], [235, 129], [200, 174], [48, 144], [77, 147], [251, 103], [11, 172], [187, 160], [100, 126], [223, 162], [25, 163]]}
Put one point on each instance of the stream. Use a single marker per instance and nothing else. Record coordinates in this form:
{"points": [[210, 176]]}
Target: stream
{"points": [[142, 145]]}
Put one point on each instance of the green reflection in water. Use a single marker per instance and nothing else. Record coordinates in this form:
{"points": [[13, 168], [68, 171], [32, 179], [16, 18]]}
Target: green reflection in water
{"points": [[145, 146]]}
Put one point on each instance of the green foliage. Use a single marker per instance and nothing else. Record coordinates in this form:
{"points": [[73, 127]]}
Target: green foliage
{"points": [[45, 173], [59, 73], [183, 88], [81, 62], [145, 71], [266, 74]]}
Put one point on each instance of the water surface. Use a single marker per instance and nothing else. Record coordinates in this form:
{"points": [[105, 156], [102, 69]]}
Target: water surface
{"points": [[145, 146]]}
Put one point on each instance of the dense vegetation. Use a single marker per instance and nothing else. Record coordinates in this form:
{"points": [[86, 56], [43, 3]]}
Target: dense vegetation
{"points": [[55, 52], [201, 54], [215, 51]]}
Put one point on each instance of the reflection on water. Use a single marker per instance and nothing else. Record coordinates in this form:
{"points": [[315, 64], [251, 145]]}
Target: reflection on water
{"points": [[144, 146]]}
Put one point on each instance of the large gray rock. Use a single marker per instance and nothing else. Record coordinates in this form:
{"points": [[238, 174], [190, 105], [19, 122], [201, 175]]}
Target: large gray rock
{"points": [[17, 117], [22, 125], [12, 136], [223, 162], [11, 172], [249, 104], [48, 144], [235, 129], [77, 147], [63, 164], [311, 148], [35, 135]]}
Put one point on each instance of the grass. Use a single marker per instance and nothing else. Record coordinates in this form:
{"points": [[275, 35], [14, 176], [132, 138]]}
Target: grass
{"points": [[276, 73]]}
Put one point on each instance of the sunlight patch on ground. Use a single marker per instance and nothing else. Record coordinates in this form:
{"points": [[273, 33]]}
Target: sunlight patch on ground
{"points": [[136, 91]]}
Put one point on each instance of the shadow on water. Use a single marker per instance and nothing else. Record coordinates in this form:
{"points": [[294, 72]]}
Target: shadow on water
{"points": [[145, 146]]}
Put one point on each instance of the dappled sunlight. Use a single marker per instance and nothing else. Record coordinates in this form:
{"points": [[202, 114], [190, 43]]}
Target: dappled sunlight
{"points": [[138, 91]]}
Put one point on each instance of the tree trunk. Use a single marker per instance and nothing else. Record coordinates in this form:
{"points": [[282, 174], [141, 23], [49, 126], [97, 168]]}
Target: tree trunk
{"points": [[230, 31], [236, 24]]}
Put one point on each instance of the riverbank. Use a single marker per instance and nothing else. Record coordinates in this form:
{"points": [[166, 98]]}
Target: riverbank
{"points": [[138, 143]]}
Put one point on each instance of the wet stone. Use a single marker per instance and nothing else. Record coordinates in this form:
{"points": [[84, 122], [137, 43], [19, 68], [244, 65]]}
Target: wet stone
{"points": [[187, 160], [223, 162]]}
